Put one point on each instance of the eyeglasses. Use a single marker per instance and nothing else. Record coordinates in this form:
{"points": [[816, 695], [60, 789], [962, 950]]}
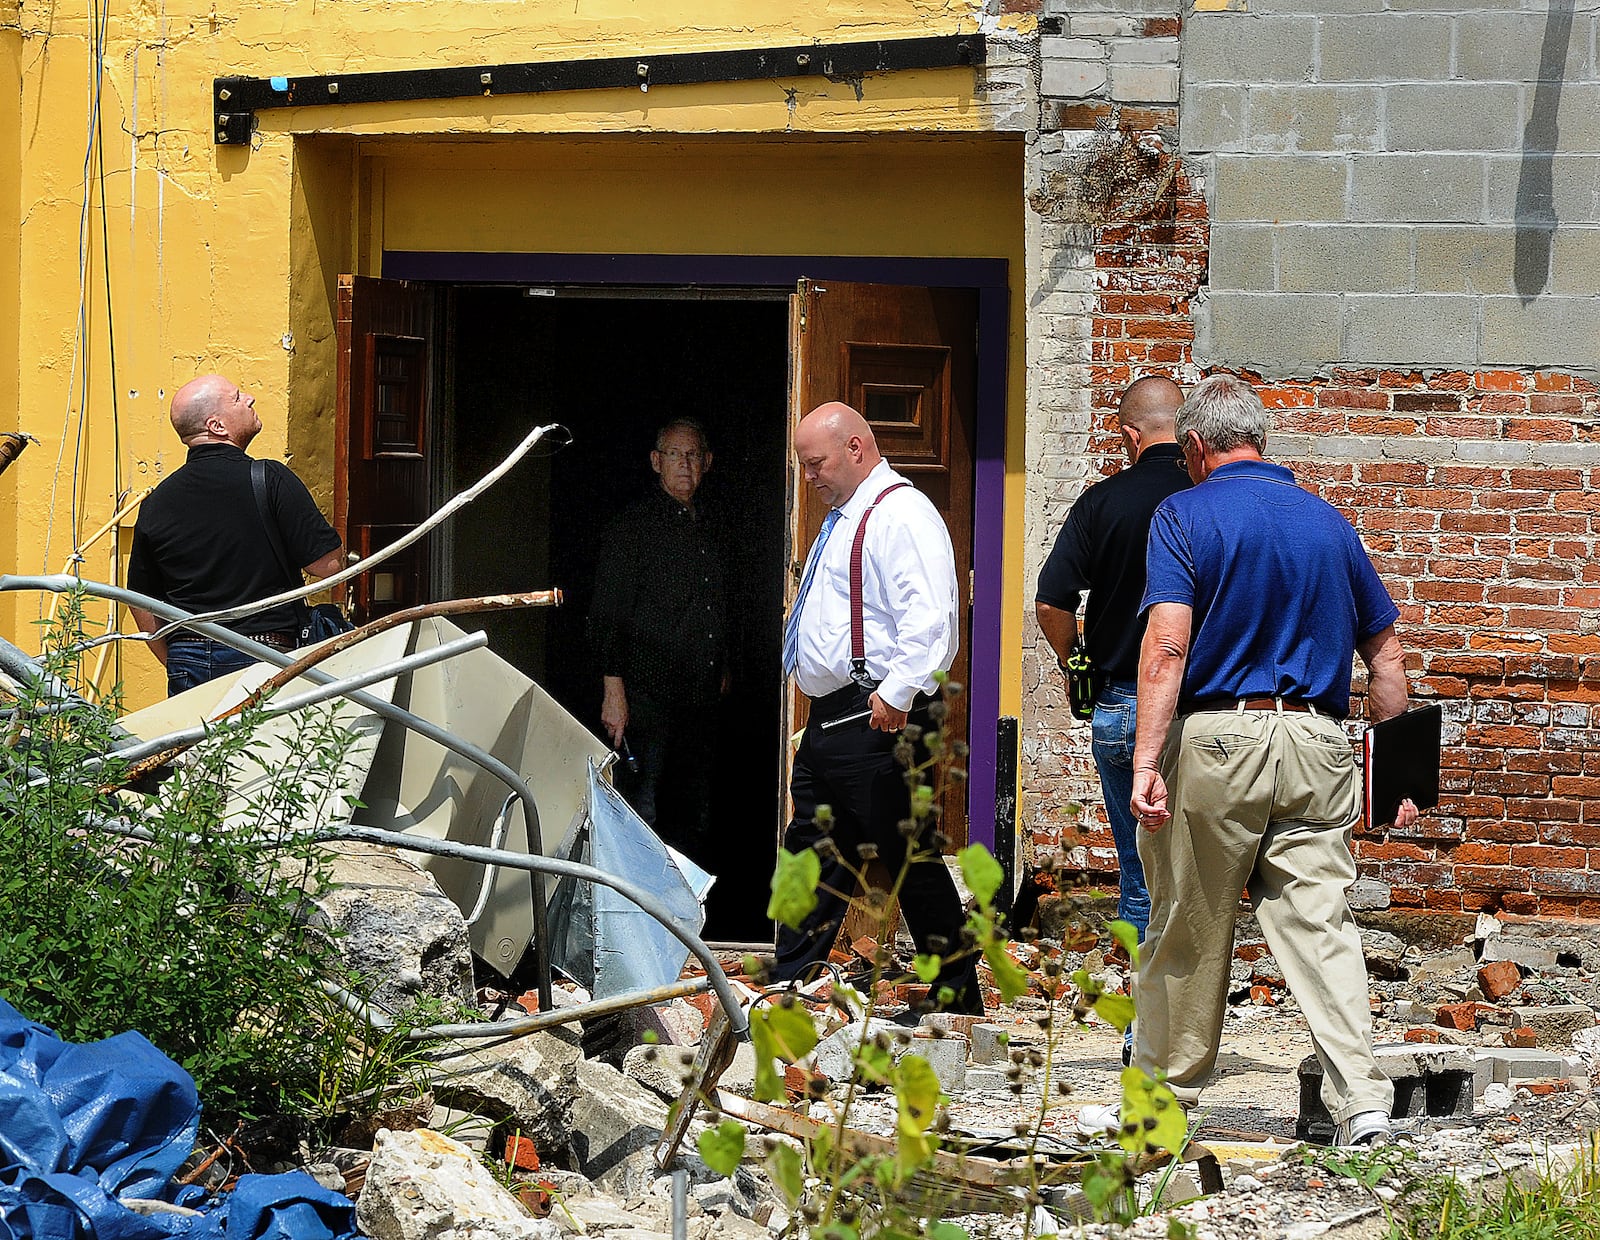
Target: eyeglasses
{"points": [[677, 454]]}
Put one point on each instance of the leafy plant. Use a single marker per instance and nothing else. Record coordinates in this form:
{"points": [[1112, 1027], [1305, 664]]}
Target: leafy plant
{"points": [[189, 926], [840, 1192]]}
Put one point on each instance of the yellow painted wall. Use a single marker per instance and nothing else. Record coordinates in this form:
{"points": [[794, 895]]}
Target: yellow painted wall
{"points": [[10, 221], [224, 258]]}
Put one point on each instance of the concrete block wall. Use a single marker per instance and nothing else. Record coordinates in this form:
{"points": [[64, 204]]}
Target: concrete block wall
{"points": [[1091, 296], [1389, 184], [1470, 480]]}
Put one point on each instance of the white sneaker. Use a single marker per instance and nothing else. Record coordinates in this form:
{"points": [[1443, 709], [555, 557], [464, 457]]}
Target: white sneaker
{"points": [[1369, 1128], [1098, 1121]]}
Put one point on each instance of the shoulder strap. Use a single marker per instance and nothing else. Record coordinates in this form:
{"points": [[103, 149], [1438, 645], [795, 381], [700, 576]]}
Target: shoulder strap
{"points": [[858, 632], [258, 485]]}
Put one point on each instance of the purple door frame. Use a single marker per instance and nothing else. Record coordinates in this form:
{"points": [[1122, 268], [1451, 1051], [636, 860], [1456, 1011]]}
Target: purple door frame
{"points": [[985, 276]]}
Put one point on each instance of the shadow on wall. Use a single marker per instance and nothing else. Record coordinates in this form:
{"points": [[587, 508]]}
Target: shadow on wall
{"points": [[1535, 209]]}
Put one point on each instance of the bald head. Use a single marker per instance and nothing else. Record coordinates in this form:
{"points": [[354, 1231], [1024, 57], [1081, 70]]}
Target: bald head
{"points": [[1147, 413], [214, 409], [836, 450]]}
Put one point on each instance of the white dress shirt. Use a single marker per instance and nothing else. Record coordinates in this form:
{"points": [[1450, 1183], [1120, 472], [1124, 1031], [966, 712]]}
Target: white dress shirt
{"points": [[908, 596]]}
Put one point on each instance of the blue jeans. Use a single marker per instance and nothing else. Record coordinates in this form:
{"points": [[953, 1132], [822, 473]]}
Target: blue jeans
{"points": [[1115, 719], [193, 661]]}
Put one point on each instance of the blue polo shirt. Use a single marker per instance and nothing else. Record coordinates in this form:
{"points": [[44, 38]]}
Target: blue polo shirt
{"points": [[1281, 587]]}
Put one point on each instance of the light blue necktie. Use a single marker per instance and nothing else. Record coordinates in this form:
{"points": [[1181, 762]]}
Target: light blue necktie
{"points": [[791, 630]]}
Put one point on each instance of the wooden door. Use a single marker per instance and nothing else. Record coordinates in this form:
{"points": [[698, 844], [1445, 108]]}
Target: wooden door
{"points": [[906, 359], [386, 331]]}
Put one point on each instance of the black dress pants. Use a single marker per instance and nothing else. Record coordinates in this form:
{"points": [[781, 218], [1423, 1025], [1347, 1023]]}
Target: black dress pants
{"points": [[852, 769], [673, 744]]}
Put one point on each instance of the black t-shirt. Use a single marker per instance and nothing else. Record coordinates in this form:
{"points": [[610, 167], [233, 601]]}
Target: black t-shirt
{"points": [[1101, 549], [200, 544], [658, 619]]}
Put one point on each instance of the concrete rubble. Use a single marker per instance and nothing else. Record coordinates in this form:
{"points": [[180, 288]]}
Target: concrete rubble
{"points": [[1491, 1036]]}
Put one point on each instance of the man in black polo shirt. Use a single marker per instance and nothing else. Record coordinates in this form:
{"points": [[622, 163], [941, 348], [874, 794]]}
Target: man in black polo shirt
{"points": [[200, 543], [657, 625], [1101, 549]]}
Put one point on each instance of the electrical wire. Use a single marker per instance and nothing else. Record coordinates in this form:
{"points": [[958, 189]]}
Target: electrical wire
{"points": [[81, 368], [102, 22]]}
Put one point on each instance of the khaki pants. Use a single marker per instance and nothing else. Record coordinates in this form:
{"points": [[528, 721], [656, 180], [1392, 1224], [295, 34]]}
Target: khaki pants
{"points": [[1262, 802]]}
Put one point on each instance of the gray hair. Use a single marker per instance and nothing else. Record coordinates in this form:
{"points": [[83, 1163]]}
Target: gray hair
{"points": [[683, 424], [1225, 412]]}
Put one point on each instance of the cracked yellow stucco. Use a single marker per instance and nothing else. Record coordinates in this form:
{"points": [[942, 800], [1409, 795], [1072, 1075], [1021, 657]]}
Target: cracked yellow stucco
{"points": [[226, 257]]}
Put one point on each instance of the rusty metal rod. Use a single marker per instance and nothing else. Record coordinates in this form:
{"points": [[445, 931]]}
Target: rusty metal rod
{"points": [[534, 1022], [315, 655], [322, 693]]}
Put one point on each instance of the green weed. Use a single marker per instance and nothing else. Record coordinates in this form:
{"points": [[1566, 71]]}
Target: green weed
{"points": [[193, 934], [1540, 1203]]}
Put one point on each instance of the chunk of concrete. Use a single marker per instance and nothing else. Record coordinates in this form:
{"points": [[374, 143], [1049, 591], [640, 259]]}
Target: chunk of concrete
{"points": [[990, 1044], [395, 929], [527, 1080], [1367, 894], [1532, 955], [653, 1069], [1384, 953], [615, 1124], [947, 1056], [834, 1056], [1556, 1024], [424, 1186], [1512, 1065], [1432, 1080]]}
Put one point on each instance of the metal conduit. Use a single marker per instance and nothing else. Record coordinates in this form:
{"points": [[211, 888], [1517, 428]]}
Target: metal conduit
{"points": [[62, 583], [646, 900]]}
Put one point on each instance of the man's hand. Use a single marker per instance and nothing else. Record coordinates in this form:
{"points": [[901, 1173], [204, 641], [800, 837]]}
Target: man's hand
{"points": [[1407, 814], [1149, 801], [148, 623], [614, 710], [885, 718]]}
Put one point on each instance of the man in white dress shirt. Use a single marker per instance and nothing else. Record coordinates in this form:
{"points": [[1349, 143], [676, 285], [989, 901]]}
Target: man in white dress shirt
{"points": [[908, 613]]}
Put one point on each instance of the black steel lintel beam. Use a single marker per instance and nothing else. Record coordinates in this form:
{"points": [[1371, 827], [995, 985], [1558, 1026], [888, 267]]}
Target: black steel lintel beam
{"points": [[236, 100]]}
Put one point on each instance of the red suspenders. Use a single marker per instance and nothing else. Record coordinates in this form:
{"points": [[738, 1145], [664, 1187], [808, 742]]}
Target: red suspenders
{"points": [[858, 637]]}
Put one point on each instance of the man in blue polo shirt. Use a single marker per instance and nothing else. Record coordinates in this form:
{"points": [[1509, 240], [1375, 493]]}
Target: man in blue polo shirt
{"points": [[1258, 594]]}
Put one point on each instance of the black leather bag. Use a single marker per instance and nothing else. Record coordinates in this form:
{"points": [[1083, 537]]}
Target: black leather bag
{"points": [[1084, 681]]}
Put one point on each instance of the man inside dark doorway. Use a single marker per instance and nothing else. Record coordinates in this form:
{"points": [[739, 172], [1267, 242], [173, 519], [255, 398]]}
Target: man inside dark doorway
{"points": [[658, 625]]}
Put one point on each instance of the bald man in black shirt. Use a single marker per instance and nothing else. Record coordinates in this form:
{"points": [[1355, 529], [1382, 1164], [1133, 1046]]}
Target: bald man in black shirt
{"points": [[1101, 549], [200, 543]]}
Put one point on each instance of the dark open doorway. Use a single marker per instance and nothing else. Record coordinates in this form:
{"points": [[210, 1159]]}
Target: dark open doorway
{"points": [[612, 368]]}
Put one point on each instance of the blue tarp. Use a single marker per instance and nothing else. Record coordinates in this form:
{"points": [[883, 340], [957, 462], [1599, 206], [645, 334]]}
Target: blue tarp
{"points": [[82, 1126]]}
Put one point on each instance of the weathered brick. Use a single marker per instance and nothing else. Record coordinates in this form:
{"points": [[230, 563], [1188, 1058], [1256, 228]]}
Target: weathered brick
{"points": [[1499, 978]]}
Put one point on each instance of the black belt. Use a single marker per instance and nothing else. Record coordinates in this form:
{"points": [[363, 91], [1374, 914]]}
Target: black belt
{"points": [[285, 641], [1292, 706], [829, 704]]}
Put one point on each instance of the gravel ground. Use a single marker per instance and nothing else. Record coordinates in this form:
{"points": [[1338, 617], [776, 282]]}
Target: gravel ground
{"points": [[1289, 1191]]}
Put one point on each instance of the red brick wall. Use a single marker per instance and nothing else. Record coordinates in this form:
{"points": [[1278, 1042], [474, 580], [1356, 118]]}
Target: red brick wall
{"points": [[1492, 564]]}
